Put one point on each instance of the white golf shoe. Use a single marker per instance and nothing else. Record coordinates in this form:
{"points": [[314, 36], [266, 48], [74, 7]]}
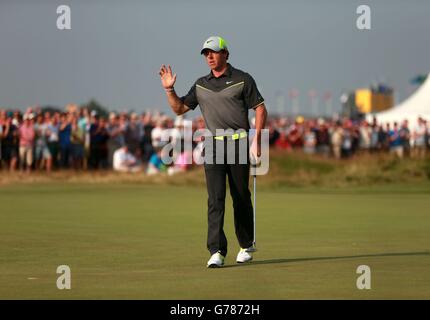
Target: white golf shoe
{"points": [[244, 255], [216, 261]]}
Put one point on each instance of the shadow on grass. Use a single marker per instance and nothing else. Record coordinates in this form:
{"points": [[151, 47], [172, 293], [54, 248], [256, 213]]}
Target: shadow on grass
{"points": [[274, 261]]}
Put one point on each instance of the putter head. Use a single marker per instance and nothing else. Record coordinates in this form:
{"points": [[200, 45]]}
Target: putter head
{"points": [[252, 249]]}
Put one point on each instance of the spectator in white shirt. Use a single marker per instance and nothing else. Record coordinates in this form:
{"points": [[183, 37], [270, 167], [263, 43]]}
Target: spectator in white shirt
{"points": [[419, 138], [124, 161]]}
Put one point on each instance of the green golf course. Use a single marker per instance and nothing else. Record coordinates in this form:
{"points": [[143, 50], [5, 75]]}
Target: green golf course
{"points": [[137, 241]]}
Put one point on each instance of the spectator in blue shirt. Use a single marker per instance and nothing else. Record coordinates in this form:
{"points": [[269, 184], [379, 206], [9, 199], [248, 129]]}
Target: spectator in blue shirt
{"points": [[64, 139], [396, 143]]}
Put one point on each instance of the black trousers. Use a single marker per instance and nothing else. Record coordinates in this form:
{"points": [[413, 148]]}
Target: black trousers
{"points": [[238, 180]]}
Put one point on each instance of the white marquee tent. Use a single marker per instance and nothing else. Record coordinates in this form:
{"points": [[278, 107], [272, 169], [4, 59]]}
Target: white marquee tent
{"points": [[417, 105]]}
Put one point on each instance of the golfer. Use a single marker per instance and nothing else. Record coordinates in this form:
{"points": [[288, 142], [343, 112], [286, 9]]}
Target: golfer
{"points": [[224, 95]]}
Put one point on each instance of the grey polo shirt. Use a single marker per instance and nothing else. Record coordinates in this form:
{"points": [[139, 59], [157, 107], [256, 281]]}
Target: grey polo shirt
{"points": [[225, 100]]}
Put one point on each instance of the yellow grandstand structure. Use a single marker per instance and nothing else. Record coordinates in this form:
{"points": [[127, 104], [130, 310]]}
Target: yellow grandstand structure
{"points": [[368, 101]]}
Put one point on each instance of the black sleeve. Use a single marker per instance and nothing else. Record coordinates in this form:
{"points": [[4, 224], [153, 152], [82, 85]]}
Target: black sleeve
{"points": [[252, 96], [190, 99]]}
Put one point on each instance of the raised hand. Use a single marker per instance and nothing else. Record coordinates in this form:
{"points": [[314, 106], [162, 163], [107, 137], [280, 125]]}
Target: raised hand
{"points": [[167, 78]]}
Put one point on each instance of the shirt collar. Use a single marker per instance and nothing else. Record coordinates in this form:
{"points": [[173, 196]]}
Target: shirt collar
{"points": [[227, 73]]}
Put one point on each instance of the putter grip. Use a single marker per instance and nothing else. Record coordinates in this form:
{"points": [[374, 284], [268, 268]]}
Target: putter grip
{"points": [[254, 162]]}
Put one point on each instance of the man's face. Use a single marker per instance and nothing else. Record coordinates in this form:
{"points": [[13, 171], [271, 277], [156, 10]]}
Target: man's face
{"points": [[215, 60], [113, 120]]}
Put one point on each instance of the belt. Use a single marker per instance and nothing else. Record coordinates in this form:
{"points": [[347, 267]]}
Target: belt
{"points": [[235, 136]]}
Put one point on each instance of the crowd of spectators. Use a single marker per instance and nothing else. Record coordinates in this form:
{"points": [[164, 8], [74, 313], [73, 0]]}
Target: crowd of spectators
{"points": [[343, 138], [129, 142], [82, 140]]}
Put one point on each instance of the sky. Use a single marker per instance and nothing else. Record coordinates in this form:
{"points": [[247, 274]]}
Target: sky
{"points": [[115, 48]]}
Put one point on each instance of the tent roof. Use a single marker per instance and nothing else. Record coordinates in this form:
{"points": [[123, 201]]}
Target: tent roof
{"points": [[418, 104]]}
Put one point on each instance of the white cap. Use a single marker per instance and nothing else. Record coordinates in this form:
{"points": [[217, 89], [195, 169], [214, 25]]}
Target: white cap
{"points": [[214, 43]]}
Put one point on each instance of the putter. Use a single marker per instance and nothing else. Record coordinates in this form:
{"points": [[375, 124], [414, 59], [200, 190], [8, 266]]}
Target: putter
{"points": [[254, 242]]}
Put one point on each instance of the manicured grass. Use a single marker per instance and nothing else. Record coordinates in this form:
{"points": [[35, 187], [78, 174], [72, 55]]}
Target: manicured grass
{"points": [[130, 241]]}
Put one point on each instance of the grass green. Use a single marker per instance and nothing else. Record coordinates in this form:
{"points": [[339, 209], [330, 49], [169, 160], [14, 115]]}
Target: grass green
{"points": [[131, 241]]}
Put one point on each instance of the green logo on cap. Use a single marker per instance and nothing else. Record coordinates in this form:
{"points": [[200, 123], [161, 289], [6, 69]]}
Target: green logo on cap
{"points": [[222, 43]]}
